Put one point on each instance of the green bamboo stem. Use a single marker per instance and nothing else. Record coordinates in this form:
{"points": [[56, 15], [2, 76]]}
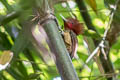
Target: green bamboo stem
{"points": [[63, 61]]}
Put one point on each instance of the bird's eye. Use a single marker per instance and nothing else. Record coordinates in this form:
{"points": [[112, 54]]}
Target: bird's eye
{"points": [[72, 23]]}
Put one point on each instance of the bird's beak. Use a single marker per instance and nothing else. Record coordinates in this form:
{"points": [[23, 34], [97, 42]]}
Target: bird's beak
{"points": [[64, 19]]}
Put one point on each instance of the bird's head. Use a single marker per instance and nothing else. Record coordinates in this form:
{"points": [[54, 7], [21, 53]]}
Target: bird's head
{"points": [[73, 24]]}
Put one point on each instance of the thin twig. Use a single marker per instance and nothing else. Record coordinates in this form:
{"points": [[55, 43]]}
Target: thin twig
{"points": [[102, 75], [101, 44], [98, 10], [32, 62], [9, 17]]}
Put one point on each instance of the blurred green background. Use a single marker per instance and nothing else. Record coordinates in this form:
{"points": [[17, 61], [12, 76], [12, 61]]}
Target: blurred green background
{"points": [[29, 66]]}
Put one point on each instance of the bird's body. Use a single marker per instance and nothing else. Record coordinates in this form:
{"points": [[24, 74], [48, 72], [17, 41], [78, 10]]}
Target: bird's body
{"points": [[72, 28], [71, 42]]}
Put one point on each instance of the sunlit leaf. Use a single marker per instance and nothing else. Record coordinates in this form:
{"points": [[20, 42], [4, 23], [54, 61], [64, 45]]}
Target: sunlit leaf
{"points": [[92, 4], [34, 75], [5, 59]]}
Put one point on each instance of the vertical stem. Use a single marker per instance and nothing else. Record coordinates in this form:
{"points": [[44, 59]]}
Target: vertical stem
{"points": [[85, 14], [63, 61], [103, 64]]}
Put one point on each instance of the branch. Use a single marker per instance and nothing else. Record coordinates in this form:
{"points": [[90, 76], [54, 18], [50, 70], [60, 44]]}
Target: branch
{"points": [[114, 30], [105, 65], [9, 17], [22, 39]]}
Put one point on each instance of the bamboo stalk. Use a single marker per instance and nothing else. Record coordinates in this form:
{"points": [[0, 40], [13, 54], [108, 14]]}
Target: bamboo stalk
{"points": [[63, 61], [56, 44]]}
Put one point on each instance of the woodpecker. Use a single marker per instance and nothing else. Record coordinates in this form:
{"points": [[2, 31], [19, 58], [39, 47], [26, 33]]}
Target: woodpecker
{"points": [[72, 28]]}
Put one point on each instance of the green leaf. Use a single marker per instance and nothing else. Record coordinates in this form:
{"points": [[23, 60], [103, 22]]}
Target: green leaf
{"points": [[34, 75], [22, 69], [14, 74], [92, 4], [92, 34]]}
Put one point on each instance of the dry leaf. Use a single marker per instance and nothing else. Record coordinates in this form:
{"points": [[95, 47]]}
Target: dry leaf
{"points": [[5, 59]]}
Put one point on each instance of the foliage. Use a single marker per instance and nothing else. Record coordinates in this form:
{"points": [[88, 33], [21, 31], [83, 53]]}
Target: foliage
{"points": [[31, 64]]}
